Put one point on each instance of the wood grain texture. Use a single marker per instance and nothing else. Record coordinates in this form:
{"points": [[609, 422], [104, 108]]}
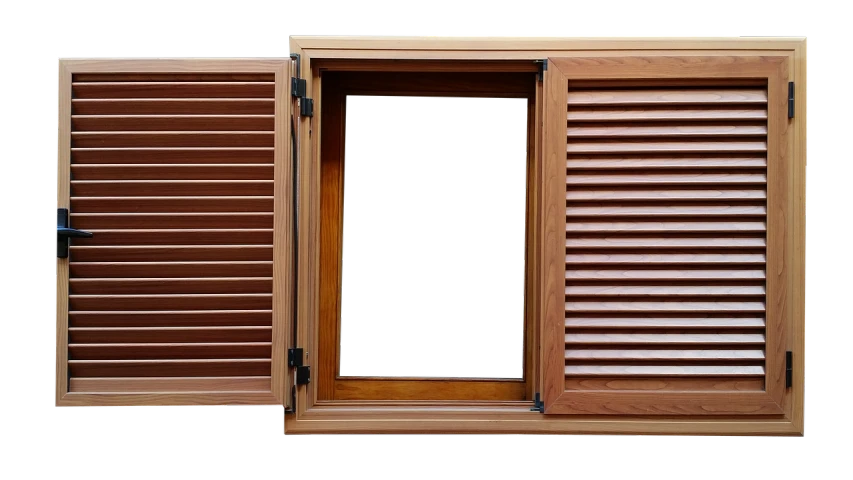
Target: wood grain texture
{"points": [[171, 164], [650, 187]]}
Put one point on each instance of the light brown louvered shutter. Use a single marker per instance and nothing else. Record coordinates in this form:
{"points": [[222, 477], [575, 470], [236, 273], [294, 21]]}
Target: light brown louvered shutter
{"points": [[179, 169], [665, 286]]}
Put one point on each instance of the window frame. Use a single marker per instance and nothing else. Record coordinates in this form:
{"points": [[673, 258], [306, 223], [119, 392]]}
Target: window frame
{"points": [[453, 81], [312, 415]]}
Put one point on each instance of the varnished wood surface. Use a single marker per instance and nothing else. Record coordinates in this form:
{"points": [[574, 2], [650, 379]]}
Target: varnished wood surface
{"points": [[174, 174]]}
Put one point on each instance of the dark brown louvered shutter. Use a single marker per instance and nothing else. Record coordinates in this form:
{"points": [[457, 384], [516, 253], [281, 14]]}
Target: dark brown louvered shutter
{"points": [[661, 302], [177, 168]]}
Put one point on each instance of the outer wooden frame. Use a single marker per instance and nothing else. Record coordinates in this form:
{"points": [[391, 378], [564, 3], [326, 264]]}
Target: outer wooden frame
{"points": [[773, 70], [312, 416], [177, 393]]}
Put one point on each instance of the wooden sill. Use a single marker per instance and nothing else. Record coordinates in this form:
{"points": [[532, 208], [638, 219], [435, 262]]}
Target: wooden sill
{"points": [[511, 417]]}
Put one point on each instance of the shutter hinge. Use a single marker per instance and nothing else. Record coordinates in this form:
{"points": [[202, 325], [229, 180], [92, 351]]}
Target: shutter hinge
{"points": [[299, 88], [790, 99], [789, 369], [306, 107], [64, 233], [543, 65], [296, 359], [538, 405]]}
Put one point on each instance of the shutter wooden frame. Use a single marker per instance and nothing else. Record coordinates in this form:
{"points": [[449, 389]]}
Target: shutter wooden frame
{"points": [[556, 398], [187, 390]]}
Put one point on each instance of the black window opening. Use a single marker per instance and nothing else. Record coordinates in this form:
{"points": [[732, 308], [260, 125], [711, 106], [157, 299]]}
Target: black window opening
{"points": [[450, 326]]}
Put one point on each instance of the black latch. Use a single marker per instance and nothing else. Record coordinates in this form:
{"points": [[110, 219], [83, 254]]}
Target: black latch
{"points": [[789, 369], [303, 375], [64, 232], [543, 65], [297, 87], [538, 405], [790, 99], [306, 107], [295, 357]]}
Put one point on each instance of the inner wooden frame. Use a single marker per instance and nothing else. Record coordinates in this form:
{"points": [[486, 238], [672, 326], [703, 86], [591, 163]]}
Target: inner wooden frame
{"points": [[771, 71], [336, 86], [317, 54]]}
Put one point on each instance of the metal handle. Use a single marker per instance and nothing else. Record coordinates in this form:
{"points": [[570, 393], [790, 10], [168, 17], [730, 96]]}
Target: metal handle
{"points": [[64, 232]]}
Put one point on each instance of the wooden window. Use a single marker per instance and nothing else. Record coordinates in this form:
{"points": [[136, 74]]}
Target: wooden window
{"points": [[668, 190], [176, 168]]}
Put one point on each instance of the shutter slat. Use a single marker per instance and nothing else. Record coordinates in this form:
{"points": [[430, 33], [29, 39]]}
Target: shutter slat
{"points": [[661, 322], [664, 339], [148, 351], [666, 370], [172, 204], [166, 106], [675, 145], [665, 162], [137, 286], [660, 306], [687, 114], [162, 156], [172, 172], [662, 274], [656, 227], [660, 355], [173, 89], [170, 269], [179, 188], [246, 236], [665, 290], [657, 211], [206, 334], [616, 259], [612, 242], [641, 178], [168, 253], [244, 301], [665, 130], [657, 193], [249, 384], [114, 221], [170, 139], [105, 123], [669, 96], [171, 319], [169, 368]]}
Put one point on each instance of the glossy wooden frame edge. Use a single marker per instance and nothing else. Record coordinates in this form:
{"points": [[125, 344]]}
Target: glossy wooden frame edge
{"points": [[282, 236], [459, 417]]}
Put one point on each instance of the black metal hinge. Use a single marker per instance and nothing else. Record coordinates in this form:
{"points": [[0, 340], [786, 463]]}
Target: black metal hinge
{"points": [[306, 107], [298, 89], [538, 405], [296, 359], [543, 66], [64, 233], [790, 99], [789, 369]]}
